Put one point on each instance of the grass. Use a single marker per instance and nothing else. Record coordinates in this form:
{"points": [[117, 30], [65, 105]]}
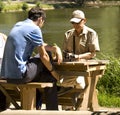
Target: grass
{"points": [[108, 100], [12, 7], [17, 6], [109, 84]]}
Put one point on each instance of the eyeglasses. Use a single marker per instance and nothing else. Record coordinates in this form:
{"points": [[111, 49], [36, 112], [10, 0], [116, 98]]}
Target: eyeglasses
{"points": [[76, 23]]}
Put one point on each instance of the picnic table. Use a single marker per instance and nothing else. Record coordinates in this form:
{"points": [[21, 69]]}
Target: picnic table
{"points": [[26, 93], [91, 70]]}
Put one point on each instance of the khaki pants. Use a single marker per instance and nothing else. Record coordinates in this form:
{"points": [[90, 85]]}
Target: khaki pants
{"points": [[73, 81]]}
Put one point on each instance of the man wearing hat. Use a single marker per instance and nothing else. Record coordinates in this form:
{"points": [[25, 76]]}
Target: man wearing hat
{"points": [[80, 43]]}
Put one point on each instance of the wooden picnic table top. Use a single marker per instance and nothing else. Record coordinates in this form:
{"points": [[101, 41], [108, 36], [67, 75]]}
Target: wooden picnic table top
{"points": [[84, 62], [85, 65]]}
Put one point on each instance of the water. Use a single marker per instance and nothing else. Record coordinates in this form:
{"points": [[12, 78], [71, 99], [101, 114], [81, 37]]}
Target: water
{"points": [[105, 20]]}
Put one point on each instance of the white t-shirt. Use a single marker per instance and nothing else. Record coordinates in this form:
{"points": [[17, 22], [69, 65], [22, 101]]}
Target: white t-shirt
{"points": [[3, 38], [2, 45]]}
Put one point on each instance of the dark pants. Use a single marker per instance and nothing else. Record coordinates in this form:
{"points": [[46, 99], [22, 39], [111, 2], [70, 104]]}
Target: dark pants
{"points": [[2, 96], [2, 101], [37, 72]]}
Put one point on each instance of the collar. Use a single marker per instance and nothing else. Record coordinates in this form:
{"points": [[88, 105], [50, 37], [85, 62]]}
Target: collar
{"points": [[29, 20], [83, 32]]}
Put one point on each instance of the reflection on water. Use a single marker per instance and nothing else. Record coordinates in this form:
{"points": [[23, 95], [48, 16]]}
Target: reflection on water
{"points": [[105, 20]]}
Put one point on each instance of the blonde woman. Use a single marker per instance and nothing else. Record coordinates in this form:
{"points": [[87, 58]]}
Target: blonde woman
{"points": [[3, 38]]}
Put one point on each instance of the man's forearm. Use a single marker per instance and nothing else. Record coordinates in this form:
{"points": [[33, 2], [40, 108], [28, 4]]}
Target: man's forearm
{"points": [[87, 55]]}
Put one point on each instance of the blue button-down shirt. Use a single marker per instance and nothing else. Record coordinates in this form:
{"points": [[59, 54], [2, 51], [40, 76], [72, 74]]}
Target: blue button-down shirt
{"points": [[22, 40]]}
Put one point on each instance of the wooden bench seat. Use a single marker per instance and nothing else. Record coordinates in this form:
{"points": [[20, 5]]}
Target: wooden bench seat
{"points": [[69, 98], [25, 93]]}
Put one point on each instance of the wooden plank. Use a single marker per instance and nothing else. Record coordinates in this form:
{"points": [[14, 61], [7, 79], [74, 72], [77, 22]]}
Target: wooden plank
{"points": [[80, 66], [96, 67], [28, 98], [9, 97], [31, 84], [71, 67], [93, 101], [73, 73], [37, 85], [96, 62], [84, 62]]}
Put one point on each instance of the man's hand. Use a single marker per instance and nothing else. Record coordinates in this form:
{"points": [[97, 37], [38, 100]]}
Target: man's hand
{"points": [[58, 54]]}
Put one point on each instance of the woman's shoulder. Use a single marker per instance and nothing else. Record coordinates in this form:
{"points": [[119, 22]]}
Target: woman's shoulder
{"points": [[3, 36]]}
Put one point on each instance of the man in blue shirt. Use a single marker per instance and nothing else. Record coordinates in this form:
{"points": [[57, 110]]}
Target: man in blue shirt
{"points": [[19, 67]]}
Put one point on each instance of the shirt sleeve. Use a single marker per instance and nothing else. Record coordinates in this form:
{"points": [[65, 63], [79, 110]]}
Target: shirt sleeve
{"points": [[36, 37], [96, 42], [94, 45]]}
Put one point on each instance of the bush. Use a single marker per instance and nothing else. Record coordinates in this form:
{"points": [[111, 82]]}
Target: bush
{"points": [[110, 82], [38, 4], [24, 6], [108, 100], [1, 6]]}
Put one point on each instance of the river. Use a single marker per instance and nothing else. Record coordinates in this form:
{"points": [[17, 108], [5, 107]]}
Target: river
{"points": [[105, 20]]}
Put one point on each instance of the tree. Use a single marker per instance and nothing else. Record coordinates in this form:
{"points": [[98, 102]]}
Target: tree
{"points": [[24, 6], [1, 6], [80, 2]]}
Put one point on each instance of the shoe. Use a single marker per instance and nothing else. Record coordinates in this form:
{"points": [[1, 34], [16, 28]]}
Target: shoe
{"points": [[64, 90], [76, 100]]}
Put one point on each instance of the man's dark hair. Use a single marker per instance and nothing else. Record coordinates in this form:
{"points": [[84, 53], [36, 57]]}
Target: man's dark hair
{"points": [[36, 12]]}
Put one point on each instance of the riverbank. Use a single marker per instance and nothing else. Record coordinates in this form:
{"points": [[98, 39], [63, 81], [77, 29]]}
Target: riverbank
{"points": [[99, 3], [12, 6]]}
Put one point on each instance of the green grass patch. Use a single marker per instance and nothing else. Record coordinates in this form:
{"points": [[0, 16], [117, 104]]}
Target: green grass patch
{"points": [[17, 6], [45, 6], [107, 100], [109, 84], [12, 7]]}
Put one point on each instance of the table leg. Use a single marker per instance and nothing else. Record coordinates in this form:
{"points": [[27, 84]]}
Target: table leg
{"points": [[93, 100], [84, 104]]}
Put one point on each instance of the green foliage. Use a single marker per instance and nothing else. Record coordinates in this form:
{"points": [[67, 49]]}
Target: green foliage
{"points": [[108, 100], [38, 4], [9, 1], [109, 0], [12, 7], [1, 6], [110, 82], [24, 6]]}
